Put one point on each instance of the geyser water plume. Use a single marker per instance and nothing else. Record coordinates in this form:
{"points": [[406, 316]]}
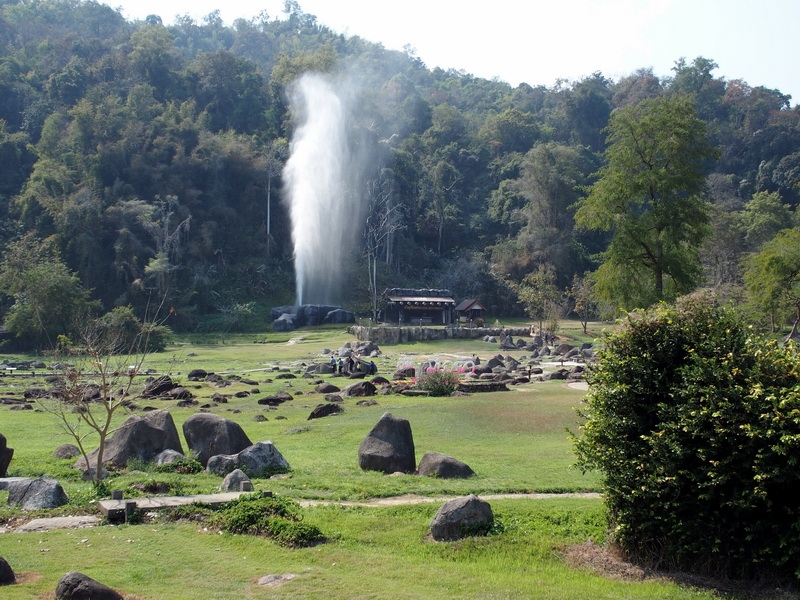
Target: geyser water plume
{"points": [[325, 213]]}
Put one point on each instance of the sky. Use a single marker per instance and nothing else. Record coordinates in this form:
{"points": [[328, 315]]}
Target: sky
{"points": [[540, 41]]}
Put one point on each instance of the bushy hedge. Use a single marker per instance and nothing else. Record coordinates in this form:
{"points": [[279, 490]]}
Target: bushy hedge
{"points": [[694, 423]]}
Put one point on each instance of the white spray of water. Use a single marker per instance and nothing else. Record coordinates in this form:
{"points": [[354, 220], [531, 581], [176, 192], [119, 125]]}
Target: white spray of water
{"points": [[324, 213]]}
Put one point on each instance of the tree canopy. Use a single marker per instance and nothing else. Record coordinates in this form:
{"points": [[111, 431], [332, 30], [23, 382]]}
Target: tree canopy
{"points": [[649, 195], [102, 119]]}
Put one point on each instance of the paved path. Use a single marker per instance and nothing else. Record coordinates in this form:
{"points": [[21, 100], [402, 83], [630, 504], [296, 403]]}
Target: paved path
{"points": [[112, 508], [415, 499]]}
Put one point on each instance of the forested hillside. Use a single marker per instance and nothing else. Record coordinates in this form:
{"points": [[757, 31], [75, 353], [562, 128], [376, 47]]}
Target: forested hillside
{"points": [[141, 161]]}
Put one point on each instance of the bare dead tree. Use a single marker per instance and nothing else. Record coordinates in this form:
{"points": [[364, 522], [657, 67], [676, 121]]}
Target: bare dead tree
{"points": [[383, 219], [95, 383]]}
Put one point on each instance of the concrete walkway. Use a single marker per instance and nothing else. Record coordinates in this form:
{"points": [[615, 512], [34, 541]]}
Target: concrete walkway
{"points": [[415, 499], [113, 509]]}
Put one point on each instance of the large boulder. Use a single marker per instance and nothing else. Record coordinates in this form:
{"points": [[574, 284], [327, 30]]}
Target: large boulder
{"points": [[462, 517], [285, 322], [389, 447], [436, 464], [259, 460], [6, 454], [158, 387], [339, 316], [405, 373], [77, 586], [314, 314], [327, 388], [35, 494], [325, 410], [168, 457], [7, 576], [276, 399], [360, 389], [208, 435], [143, 437], [66, 451]]}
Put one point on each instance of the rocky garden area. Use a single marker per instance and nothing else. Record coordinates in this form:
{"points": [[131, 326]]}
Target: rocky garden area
{"points": [[254, 451]]}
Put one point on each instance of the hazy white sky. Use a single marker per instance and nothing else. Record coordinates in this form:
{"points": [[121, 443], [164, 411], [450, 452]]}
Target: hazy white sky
{"points": [[539, 41]]}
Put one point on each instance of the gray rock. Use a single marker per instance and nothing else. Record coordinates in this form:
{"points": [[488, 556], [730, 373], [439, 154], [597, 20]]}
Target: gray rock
{"points": [[285, 322], [389, 447], [169, 456], [327, 388], [339, 316], [405, 373], [6, 454], [7, 576], [360, 389], [158, 387], [143, 437], [258, 460], [77, 586], [34, 494], [208, 435], [564, 349], [233, 481], [90, 474], [67, 451], [440, 465], [462, 517], [197, 375], [325, 410]]}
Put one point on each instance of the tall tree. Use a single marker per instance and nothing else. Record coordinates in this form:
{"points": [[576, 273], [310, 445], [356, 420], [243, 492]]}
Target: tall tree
{"points": [[540, 296], [772, 277], [649, 195]]}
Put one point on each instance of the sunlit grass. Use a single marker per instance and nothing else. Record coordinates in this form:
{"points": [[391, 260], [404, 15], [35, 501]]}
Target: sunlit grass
{"points": [[515, 441], [371, 553]]}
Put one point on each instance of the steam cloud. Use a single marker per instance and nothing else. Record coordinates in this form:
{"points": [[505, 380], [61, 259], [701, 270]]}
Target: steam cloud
{"points": [[325, 210]]}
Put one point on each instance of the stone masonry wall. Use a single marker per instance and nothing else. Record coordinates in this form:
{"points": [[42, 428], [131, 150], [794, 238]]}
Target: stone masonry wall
{"points": [[390, 335]]}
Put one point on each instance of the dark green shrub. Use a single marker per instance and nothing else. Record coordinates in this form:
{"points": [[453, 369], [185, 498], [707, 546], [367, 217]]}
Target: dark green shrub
{"points": [[270, 516], [695, 426]]}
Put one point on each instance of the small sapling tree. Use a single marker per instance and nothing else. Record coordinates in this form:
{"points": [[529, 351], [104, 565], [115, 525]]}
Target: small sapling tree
{"points": [[98, 374]]}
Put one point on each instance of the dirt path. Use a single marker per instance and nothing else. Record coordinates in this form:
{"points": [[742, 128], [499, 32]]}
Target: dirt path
{"points": [[415, 499]]}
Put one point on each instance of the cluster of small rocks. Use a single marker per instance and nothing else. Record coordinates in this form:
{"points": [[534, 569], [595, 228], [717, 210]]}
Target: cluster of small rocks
{"points": [[511, 370]]}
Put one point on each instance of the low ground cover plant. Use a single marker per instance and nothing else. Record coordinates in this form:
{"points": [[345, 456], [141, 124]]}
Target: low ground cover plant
{"points": [[274, 517]]}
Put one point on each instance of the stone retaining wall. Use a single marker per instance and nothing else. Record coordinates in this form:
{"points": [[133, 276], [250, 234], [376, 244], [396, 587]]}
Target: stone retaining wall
{"points": [[389, 335]]}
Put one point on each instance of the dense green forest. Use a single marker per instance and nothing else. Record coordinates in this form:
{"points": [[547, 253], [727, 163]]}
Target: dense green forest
{"points": [[140, 166]]}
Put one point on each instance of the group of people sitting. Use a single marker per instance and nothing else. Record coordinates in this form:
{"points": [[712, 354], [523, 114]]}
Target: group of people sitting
{"points": [[350, 365]]}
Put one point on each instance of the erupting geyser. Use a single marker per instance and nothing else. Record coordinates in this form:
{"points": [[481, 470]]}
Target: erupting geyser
{"points": [[324, 207]]}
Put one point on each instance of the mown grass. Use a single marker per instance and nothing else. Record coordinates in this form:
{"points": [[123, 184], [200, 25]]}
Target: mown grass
{"points": [[516, 441], [371, 554]]}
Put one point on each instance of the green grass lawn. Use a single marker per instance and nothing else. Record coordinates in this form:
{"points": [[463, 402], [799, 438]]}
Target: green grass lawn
{"points": [[371, 553], [515, 441]]}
